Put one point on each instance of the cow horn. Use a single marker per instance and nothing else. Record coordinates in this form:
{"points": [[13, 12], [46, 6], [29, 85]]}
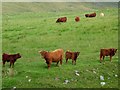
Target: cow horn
{"points": [[39, 51]]}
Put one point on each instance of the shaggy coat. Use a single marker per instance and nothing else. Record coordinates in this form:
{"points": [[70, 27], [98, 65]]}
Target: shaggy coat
{"points": [[107, 52], [62, 19], [53, 56], [10, 58], [71, 55], [90, 15], [77, 19]]}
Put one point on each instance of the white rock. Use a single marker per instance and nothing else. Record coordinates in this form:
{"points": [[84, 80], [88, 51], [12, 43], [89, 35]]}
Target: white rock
{"points": [[26, 76], [66, 81], [77, 74], [14, 87], [76, 71], [101, 77], [102, 83], [108, 77], [116, 75], [94, 72], [29, 80]]}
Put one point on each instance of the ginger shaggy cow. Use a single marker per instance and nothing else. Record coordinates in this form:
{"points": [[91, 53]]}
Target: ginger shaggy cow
{"points": [[77, 19], [71, 55], [107, 52], [53, 56]]}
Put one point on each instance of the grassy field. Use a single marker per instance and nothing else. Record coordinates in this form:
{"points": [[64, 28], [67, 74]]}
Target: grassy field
{"points": [[29, 32]]}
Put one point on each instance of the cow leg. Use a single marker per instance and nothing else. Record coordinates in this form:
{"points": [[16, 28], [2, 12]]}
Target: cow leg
{"points": [[49, 64], [100, 58], [3, 63], [110, 58], [72, 62], [103, 57], [11, 63], [60, 62], [66, 60], [75, 61], [57, 63]]}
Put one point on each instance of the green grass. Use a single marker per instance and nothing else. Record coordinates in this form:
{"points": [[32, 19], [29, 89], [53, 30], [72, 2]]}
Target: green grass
{"points": [[29, 32]]}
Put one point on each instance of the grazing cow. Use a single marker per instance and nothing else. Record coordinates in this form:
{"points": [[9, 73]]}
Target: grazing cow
{"points": [[54, 56], [90, 15], [71, 55], [62, 19], [107, 52], [10, 58], [77, 19]]}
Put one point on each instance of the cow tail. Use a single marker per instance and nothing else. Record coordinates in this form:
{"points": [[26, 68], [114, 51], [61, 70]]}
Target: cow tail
{"points": [[100, 54]]}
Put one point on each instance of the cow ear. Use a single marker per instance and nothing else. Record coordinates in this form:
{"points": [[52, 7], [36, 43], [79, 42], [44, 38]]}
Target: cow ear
{"points": [[78, 52], [115, 50], [39, 51]]}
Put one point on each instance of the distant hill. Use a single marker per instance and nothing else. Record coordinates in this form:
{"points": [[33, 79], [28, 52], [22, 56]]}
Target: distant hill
{"points": [[15, 7]]}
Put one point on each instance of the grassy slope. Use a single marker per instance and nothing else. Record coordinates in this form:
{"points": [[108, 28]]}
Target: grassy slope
{"points": [[30, 32], [54, 7]]}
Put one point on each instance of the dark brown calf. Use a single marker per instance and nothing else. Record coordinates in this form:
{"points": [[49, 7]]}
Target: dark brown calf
{"points": [[77, 19], [71, 55], [62, 19], [10, 58], [54, 56], [107, 52]]}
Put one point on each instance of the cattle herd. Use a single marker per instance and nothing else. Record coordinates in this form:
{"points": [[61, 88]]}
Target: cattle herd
{"points": [[58, 54], [77, 18]]}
